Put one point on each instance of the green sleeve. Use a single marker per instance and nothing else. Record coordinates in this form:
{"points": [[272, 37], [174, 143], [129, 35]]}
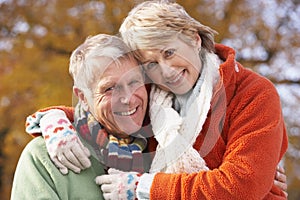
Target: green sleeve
{"points": [[36, 177]]}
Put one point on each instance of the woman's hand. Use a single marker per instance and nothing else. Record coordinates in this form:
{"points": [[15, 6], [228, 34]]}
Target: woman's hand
{"points": [[118, 185], [280, 179], [63, 145]]}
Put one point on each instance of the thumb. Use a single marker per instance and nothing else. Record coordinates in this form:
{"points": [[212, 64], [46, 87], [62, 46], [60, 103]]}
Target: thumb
{"points": [[105, 179]]}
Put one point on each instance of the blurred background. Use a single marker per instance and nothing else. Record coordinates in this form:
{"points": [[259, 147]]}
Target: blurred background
{"points": [[37, 37]]}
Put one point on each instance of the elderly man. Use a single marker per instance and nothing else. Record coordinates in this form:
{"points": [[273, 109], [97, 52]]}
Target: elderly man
{"points": [[108, 116]]}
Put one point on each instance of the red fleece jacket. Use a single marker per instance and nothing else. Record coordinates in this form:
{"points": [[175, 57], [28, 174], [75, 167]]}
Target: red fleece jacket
{"points": [[241, 147]]}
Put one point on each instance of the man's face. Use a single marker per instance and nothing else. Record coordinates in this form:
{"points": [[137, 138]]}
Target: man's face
{"points": [[120, 97]]}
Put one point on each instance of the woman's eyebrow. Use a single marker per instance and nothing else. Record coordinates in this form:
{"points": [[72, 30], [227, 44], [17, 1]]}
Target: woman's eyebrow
{"points": [[163, 49], [144, 61]]}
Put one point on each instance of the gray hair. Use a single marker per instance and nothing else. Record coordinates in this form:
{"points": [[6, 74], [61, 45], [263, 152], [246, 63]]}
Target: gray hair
{"points": [[84, 61]]}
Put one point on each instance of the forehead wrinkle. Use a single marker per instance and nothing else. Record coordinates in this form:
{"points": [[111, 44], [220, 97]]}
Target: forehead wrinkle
{"points": [[107, 77], [106, 81]]}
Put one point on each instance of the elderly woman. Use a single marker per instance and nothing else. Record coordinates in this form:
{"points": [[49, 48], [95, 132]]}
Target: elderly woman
{"points": [[109, 115]]}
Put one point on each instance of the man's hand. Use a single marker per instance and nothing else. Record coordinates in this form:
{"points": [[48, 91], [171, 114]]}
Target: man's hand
{"points": [[118, 185], [63, 144]]}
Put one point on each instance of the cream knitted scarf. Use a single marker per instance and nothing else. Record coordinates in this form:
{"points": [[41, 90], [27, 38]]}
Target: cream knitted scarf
{"points": [[180, 156]]}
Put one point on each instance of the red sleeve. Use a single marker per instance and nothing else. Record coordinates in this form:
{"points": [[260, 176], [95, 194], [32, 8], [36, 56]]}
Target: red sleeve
{"points": [[68, 110], [256, 142]]}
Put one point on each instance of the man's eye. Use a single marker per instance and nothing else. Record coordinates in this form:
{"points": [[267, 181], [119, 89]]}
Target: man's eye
{"points": [[168, 53], [109, 89], [150, 66], [112, 88]]}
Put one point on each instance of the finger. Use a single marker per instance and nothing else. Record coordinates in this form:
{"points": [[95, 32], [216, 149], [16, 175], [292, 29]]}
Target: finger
{"points": [[285, 193], [63, 170], [84, 161], [281, 185], [280, 169], [152, 93], [83, 148], [72, 158], [280, 177], [160, 99], [67, 163], [113, 171], [158, 96], [168, 101], [87, 151], [59, 165], [104, 179], [107, 188], [107, 196]]}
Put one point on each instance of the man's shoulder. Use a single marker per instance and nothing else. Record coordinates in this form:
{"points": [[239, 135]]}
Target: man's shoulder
{"points": [[36, 145]]}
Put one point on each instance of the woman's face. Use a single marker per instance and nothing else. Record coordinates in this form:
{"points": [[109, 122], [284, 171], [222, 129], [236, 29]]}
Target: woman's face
{"points": [[175, 67], [120, 98]]}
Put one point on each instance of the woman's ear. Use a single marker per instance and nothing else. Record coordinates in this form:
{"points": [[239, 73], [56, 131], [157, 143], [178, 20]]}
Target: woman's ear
{"points": [[82, 99]]}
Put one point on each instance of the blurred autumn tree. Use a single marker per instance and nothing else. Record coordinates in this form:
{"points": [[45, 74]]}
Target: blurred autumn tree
{"points": [[37, 37]]}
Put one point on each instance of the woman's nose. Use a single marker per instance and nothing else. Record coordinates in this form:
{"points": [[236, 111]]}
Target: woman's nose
{"points": [[166, 70]]}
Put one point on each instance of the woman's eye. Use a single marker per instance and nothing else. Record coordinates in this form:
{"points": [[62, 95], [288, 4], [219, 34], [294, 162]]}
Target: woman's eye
{"points": [[168, 53], [133, 82], [150, 66], [136, 82]]}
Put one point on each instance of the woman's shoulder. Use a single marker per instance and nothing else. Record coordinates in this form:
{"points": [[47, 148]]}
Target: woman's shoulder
{"points": [[254, 82]]}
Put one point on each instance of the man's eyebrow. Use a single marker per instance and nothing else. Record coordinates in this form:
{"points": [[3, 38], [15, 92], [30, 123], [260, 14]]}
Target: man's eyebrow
{"points": [[105, 83]]}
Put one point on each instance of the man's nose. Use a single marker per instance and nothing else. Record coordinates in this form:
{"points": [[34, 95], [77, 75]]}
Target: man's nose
{"points": [[125, 100], [126, 95]]}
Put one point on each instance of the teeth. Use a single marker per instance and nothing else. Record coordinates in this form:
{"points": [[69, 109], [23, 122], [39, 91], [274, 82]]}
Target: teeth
{"points": [[130, 112], [176, 79]]}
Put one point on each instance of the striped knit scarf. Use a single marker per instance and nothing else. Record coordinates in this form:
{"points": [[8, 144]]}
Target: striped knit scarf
{"points": [[122, 154]]}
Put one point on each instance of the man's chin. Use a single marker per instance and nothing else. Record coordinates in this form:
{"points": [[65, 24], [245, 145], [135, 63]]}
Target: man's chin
{"points": [[129, 130]]}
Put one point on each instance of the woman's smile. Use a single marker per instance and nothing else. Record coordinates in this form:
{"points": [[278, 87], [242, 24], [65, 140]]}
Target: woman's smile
{"points": [[176, 80]]}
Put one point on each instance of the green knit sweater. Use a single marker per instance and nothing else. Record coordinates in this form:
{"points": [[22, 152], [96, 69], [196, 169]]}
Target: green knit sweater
{"points": [[36, 177]]}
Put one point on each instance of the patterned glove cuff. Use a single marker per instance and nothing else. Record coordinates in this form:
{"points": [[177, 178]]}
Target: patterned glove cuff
{"points": [[33, 121], [143, 188], [56, 123]]}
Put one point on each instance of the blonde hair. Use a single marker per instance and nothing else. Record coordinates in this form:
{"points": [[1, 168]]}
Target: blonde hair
{"points": [[153, 23], [84, 61]]}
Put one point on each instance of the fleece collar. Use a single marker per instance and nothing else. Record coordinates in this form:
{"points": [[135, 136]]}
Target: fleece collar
{"points": [[230, 67]]}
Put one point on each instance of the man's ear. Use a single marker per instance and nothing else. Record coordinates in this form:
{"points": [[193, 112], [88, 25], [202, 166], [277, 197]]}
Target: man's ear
{"points": [[80, 95], [198, 41]]}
